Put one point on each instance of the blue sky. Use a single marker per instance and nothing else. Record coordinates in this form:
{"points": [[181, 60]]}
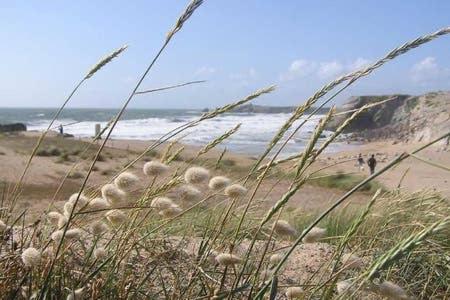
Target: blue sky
{"points": [[238, 46]]}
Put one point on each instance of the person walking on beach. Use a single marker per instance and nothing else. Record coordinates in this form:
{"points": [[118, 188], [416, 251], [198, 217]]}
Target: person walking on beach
{"points": [[360, 162], [372, 162]]}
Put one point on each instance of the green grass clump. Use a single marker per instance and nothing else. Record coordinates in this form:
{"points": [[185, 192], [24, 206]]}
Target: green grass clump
{"points": [[345, 182]]}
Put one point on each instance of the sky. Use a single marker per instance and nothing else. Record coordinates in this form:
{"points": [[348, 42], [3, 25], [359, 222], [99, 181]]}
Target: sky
{"points": [[237, 46]]}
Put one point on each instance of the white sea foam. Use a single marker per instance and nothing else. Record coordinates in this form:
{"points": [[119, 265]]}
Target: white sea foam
{"points": [[253, 136]]}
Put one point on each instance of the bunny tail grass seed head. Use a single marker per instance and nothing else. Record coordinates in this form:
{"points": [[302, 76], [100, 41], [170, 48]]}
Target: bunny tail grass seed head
{"points": [[315, 235], [62, 221], [98, 228], [189, 193], [126, 181], [162, 203], [196, 175], [235, 191], [352, 261], [171, 211], [98, 203], [295, 292], [53, 217], [343, 286], [74, 233], [228, 259], [68, 208], [218, 183], [2, 226], [82, 200], [104, 61], [99, 253], [77, 294], [116, 217], [276, 258], [31, 257], [114, 195], [392, 291], [283, 228], [155, 168]]}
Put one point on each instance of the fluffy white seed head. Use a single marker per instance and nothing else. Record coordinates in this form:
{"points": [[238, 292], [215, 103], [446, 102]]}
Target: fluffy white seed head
{"points": [[352, 261], [62, 221], [266, 275], [283, 228], [219, 183], [343, 286], [74, 233], [315, 235], [113, 194], [155, 168], [189, 193], [392, 291], [98, 228], [235, 191], [99, 253], [82, 201], [2, 226], [171, 212], [68, 208], [116, 217], [31, 257], [47, 253], [70, 234], [162, 203], [228, 259], [275, 259], [295, 292], [53, 217], [126, 181], [57, 235], [77, 294], [98, 203], [196, 175]]}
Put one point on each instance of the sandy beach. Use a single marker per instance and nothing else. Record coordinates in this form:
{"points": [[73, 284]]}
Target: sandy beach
{"points": [[42, 183]]}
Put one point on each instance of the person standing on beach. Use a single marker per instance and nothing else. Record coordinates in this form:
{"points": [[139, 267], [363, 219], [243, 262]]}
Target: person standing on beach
{"points": [[360, 162], [372, 162], [61, 129]]}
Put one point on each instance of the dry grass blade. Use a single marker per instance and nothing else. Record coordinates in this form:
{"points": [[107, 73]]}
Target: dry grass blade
{"points": [[170, 87]]}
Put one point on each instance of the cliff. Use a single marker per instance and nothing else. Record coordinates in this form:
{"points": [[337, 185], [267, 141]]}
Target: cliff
{"points": [[406, 118]]}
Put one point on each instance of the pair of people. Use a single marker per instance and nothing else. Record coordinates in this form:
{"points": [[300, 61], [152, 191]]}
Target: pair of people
{"points": [[371, 162]]}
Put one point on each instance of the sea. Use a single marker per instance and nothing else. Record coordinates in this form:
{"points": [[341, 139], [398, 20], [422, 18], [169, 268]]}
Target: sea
{"points": [[252, 138]]}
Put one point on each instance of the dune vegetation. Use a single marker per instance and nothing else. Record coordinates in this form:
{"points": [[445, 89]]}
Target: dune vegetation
{"points": [[190, 230]]}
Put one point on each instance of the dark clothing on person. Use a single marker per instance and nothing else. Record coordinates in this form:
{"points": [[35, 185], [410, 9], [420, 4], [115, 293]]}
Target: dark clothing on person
{"points": [[61, 130], [372, 162]]}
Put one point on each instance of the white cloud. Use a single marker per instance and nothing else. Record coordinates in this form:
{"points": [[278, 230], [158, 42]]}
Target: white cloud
{"points": [[359, 63], [425, 70], [245, 77], [205, 71], [301, 68], [330, 69]]}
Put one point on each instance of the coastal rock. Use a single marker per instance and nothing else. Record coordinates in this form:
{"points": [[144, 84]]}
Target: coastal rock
{"points": [[405, 118], [13, 127]]}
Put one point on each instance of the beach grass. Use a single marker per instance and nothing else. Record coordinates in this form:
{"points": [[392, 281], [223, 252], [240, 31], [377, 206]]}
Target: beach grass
{"points": [[175, 230]]}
